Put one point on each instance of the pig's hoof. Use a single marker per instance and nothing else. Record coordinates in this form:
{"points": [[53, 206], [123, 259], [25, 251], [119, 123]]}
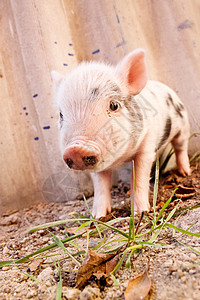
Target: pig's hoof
{"points": [[141, 207], [183, 163], [184, 170], [101, 213]]}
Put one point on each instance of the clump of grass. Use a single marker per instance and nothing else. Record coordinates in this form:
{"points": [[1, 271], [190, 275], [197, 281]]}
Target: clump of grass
{"points": [[129, 239]]}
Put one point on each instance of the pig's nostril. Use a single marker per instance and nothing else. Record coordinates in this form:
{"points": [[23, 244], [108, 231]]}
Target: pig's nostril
{"points": [[89, 160], [69, 162]]}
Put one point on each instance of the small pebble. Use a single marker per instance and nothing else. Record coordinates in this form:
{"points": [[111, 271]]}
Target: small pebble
{"points": [[89, 293], [5, 251], [46, 274], [70, 293], [193, 256], [12, 219], [6, 268], [192, 271], [168, 263]]}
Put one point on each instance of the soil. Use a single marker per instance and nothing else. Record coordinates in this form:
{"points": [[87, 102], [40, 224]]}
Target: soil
{"points": [[174, 269]]}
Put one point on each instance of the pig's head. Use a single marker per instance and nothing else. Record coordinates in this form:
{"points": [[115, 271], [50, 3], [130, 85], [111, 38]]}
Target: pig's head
{"points": [[99, 117]]}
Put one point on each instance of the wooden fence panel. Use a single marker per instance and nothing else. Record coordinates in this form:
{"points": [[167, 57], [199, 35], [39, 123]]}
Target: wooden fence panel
{"points": [[38, 36]]}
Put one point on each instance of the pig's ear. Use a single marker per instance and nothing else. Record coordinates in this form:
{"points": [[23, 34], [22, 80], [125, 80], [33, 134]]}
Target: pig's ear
{"points": [[57, 79], [133, 71]]}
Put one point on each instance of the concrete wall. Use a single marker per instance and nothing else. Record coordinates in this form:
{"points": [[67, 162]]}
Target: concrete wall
{"points": [[38, 36]]}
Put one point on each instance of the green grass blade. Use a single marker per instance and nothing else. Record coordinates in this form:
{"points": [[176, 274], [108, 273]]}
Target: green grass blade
{"points": [[83, 225], [165, 206], [180, 210], [47, 225], [182, 230], [130, 229], [59, 287], [132, 223], [44, 249], [56, 223], [118, 266], [154, 237], [116, 283], [191, 248], [85, 200], [128, 261], [194, 156], [99, 245], [103, 226], [62, 246], [113, 228], [155, 190], [31, 276], [156, 245]]}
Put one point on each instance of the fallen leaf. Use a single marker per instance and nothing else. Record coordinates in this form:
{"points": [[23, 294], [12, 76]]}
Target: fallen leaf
{"points": [[184, 192], [111, 264], [161, 203], [139, 287], [169, 186], [98, 264], [107, 217]]}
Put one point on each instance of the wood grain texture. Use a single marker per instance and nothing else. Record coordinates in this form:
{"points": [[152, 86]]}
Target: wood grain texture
{"points": [[38, 36]]}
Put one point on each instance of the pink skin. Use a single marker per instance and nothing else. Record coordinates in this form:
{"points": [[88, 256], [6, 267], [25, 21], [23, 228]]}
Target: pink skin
{"points": [[183, 163], [102, 197], [180, 147], [94, 154], [143, 161], [78, 151]]}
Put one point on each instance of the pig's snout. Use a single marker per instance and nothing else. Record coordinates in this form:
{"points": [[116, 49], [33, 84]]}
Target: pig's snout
{"points": [[81, 157]]}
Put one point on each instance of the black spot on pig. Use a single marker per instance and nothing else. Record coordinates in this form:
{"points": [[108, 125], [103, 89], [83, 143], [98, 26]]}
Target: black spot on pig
{"points": [[109, 90], [166, 133], [168, 101], [61, 120], [179, 109], [135, 115], [94, 92], [177, 106], [116, 89]]}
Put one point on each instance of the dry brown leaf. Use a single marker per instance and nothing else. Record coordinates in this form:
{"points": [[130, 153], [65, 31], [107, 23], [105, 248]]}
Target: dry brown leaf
{"points": [[97, 264], [111, 264], [139, 287], [184, 192], [160, 203]]}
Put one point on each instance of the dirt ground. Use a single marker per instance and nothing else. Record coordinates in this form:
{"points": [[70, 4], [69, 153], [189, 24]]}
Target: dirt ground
{"points": [[174, 270]]}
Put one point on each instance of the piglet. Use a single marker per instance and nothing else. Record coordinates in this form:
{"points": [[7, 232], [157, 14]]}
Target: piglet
{"points": [[110, 115]]}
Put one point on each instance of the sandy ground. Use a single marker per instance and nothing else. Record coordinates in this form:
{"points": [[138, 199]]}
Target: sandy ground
{"points": [[174, 270]]}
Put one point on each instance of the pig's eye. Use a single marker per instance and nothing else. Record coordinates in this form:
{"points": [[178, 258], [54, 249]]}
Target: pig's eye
{"points": [[61, 116], [114, 106]]}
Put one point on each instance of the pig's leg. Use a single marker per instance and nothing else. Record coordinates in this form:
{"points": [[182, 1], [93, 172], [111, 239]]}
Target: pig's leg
{"points": [[143, 164], [102, 197], [180, 143]]}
